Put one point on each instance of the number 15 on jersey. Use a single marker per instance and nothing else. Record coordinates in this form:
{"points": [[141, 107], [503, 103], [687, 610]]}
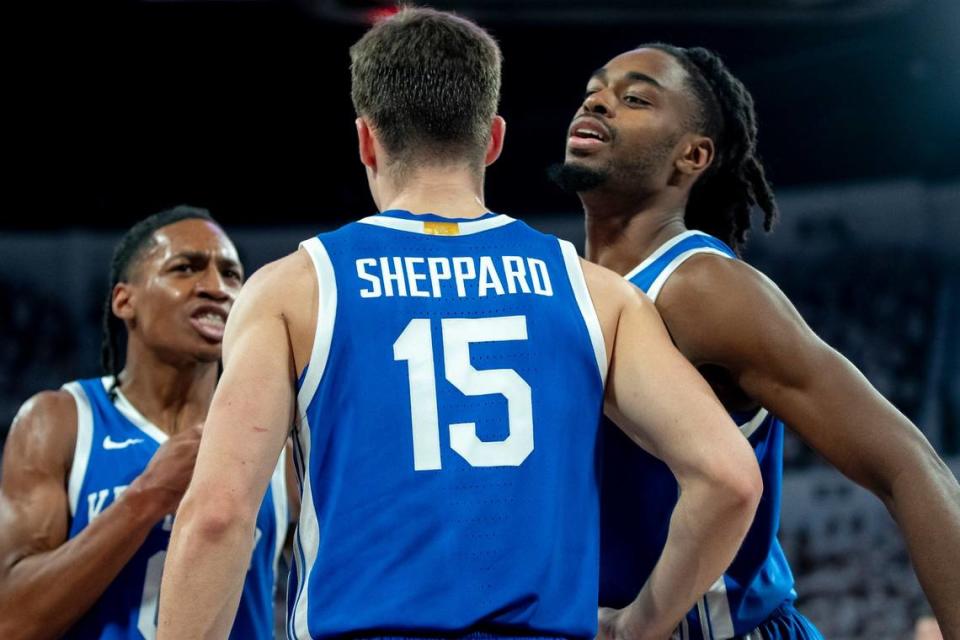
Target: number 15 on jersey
{"points": [[415, 347]]}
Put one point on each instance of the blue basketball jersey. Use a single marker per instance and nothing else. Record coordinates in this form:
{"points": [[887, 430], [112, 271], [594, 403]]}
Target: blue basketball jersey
{"points": [[114, 445], [447, 436], [759, 581]]}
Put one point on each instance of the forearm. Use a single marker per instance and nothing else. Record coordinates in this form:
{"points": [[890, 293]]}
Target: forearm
{"points": [[706, 530], [926, 506], [203, 575], [43, 594]]}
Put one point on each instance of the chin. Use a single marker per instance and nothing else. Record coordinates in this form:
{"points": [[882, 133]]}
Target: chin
{"points": [[207, 353], [577, 176], [210, 356]]}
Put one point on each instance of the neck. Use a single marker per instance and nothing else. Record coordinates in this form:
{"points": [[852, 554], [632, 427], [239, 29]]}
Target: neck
{"points": [[620, 236], [450, 193], [173, 396]]}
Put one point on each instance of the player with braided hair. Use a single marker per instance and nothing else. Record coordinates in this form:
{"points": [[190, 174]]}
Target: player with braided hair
{"points": [[94, 471], [663, 154], [138, 239], [721, 200]]}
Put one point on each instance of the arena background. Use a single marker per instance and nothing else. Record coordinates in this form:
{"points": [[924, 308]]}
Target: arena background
{"points": [[119, 109]]}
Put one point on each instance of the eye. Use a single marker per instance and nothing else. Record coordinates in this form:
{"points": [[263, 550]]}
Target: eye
{"points": [[232, 274], [589, 92], [185, 267], [636, 101]]}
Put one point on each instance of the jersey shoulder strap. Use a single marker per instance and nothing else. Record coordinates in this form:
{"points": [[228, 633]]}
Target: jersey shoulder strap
{"points": [[651, 274]]}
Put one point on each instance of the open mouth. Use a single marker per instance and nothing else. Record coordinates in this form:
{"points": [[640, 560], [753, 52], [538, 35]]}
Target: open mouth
{"points": [[209, 323], [587, 134]]}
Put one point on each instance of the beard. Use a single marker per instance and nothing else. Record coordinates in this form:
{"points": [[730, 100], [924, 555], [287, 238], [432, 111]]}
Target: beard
{"points": [[576, 178], [640, 171]]}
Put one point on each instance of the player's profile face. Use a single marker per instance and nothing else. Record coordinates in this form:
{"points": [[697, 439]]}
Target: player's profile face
{"points": [[632, 115], [184, 288]]}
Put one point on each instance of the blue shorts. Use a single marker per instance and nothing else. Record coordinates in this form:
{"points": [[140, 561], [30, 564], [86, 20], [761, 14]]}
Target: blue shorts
{"points": [[786, 623]]}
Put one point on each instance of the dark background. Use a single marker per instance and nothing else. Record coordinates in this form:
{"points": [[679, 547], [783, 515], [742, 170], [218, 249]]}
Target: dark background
{"points": [[118, 109], [244, 107]]}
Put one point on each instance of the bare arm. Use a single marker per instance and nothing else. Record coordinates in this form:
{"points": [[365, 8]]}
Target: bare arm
{"points": [[48, 582], [757, 335], [246, 430], [665, 406]]}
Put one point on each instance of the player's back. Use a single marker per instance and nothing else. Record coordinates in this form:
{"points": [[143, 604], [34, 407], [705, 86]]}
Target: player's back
{"points": [[115, 443], [447, 433], [759, 580]]}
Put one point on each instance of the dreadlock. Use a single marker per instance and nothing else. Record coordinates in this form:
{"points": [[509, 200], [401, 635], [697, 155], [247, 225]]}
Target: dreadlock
{"points": [[131, 247], [721, 199]]}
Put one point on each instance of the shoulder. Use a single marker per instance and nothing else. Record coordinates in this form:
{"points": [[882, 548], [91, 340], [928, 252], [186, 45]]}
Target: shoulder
{"points": [[716, 284], [278, 288], [613, 297], [281, 277], [44, 430], [606, 284], [610, 292], [711, 303], [282, 294]]}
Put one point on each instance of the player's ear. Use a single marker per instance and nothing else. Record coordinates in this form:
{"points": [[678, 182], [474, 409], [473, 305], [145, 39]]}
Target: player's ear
{"points": [[366, 143], [122, 301], [696, 155], [498, 130]]}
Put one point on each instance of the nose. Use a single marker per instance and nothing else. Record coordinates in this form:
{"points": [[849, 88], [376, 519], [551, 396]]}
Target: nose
{"points": [[597, 103], [212, 286]]}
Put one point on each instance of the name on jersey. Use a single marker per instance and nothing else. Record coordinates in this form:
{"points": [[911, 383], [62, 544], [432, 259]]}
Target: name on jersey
{"points": [[461, 277]]}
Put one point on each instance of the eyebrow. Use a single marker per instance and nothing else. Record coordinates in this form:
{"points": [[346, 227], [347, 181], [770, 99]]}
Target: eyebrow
{"points": [[197, 256], [633, 76]]}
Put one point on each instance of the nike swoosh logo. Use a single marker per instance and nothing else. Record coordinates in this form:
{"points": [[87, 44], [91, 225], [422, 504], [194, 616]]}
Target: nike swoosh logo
{"points": [[113, 444]]}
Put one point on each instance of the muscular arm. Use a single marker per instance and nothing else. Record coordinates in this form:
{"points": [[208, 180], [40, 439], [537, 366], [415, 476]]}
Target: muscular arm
{"points": [[665, 406], [46, 581], [246, 430], [725, 313]]}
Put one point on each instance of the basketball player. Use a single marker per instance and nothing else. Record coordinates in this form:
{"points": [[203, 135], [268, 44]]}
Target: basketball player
{"points": [[663, 155], [92, 473], [445, 366]]}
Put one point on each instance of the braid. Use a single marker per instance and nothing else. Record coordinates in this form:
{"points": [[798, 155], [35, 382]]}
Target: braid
{"points": [[721, 200], [130, 248], [109, 350]]}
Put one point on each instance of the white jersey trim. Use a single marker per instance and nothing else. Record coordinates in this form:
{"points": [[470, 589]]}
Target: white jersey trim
{"points": [[750, 427], [672, 266], [81, 451], [662, 249], [307, 541], [417, 226], [582, 294], [308, 528], [718, 610], [131, 413], [326, 316], [702, 619], [281, 506]]}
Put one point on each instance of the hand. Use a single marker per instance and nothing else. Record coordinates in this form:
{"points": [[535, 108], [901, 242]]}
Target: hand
{"points": [[612, 625], [607, 623], [166, 478], [621, 624]]}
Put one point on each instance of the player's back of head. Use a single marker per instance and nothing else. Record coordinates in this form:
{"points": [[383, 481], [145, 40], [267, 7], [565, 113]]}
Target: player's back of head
{"points": [[428, 82]]}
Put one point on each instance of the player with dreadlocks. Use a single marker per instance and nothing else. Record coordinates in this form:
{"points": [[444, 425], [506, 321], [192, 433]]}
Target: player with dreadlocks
{"points": [[663, 154], [93, 472]]}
